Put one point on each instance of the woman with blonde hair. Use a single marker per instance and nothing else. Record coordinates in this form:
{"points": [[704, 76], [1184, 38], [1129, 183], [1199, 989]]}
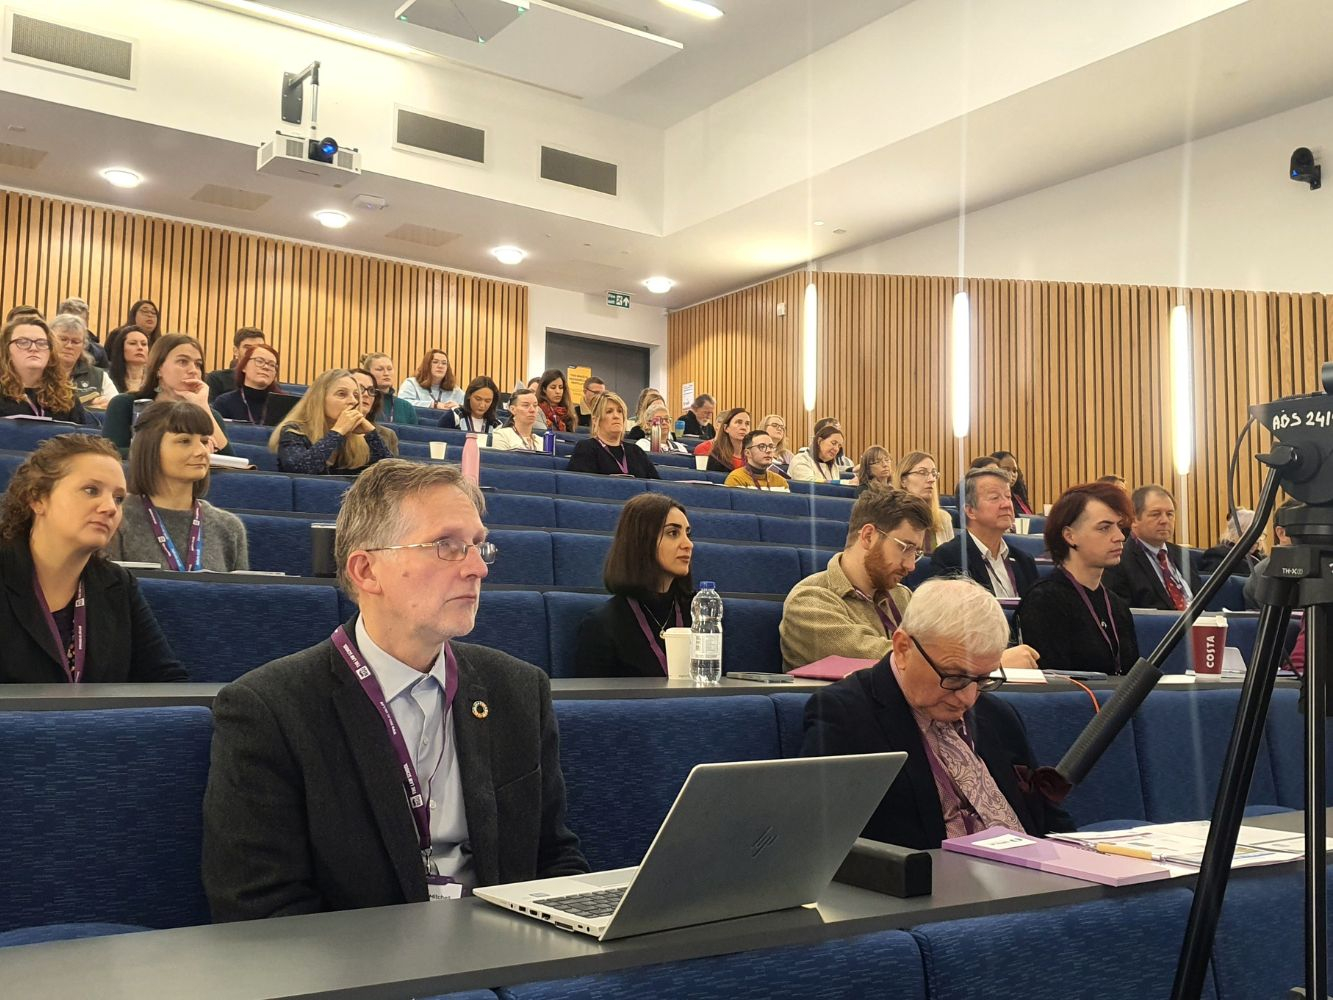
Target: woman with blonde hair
{"points": [[1235, 527], [776, 427], [917, 475], [326, 432], [607, 452], [875, 468]]}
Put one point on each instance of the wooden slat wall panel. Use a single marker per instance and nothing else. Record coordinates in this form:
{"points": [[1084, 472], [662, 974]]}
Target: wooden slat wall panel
{"points": [[320, 307], [1073, 378]]}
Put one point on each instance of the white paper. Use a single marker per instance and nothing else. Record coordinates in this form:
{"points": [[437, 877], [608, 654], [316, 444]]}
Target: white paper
{"points": [[1004, 842]]}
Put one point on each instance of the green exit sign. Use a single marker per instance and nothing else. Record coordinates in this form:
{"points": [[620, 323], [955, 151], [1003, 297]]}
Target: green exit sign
{"points": [[618, 299]]}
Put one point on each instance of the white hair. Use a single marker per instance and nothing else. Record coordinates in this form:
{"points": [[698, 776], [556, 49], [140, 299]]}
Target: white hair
{"points": [[957, 609], [1246, 517]]}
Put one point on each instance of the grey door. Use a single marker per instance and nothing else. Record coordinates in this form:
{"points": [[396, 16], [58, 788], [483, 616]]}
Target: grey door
{"points": [[623, 367]]}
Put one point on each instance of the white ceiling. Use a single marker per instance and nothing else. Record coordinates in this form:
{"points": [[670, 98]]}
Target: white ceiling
{"points": [[622, 75]]}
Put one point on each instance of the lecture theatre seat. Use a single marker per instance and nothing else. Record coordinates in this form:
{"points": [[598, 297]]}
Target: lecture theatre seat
{"points": [[524, 510], [25, 435], [232, 490], [1260, 946], [692, 497]]}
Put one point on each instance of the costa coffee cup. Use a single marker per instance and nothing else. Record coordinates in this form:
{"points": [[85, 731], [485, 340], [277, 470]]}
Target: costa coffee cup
{"points": [[1208, 643]]}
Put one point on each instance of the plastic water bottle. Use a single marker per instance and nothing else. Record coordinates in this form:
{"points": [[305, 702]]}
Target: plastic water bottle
{"points": [[657, 436], [548, 442], [471, 464], [706, 635]]}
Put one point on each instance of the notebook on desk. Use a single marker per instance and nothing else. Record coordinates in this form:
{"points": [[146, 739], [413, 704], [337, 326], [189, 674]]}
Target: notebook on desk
{"points": [[832, 668], [1057, 857]]}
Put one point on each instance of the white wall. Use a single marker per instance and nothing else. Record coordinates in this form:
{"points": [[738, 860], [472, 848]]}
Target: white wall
{"points": [[1217, 213], [589, 315]]}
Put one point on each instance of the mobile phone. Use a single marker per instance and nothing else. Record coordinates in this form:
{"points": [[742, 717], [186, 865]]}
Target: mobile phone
{"points": [[761, 677]]}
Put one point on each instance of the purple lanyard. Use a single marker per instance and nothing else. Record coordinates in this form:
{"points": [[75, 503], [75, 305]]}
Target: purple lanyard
{"points": [[37, 411], [416, 800], [72, 659], [1114, 646], [971, 819], [648, 633], [623, 462], [889, 620], [196, 543]]}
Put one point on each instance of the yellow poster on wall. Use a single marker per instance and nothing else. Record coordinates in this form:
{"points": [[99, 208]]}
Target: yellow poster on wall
{"points": [[575, 376]]}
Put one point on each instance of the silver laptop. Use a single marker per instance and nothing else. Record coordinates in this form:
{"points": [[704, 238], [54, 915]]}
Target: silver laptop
{"points": [[741, 838]]}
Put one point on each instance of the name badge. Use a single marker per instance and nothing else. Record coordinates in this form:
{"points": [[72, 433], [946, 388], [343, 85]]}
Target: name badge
{"points": [[443, 887]]}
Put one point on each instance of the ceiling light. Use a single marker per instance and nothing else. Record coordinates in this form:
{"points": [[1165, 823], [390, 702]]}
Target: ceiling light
{"points": [[699, 8], [509, 255], [121, 177], [332, 219], [659, 285]]}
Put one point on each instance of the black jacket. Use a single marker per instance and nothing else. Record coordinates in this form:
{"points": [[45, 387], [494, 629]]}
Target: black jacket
{"points": [[1137, 581], [220, 382], [1054, 621], [611, 644], [305, 812], [125, 643], [867, 713], [592, 456], [695, 429], [948, 559]]}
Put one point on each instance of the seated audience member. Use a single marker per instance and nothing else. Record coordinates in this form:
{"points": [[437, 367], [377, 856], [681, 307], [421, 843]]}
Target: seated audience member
{"points": [[1115, 480], [1235, 527], [1280, 537], [326, 432], [699, 418], [478, 412], [551, 399], [645, 397], [656, 417], [31, 382], [435, 385], [777, 430], [649, 399], [918, 476], [92, 386], [592, 388], [535, 387], [255, 379], [980, 551], [1009, 463], [824, 462], [1072, 618], [648, 573], [391, 409], [76, 306], [606, 452], [1153, 571], [175, 374], [968, 757], [21, 310], [724, 451], [757, 471], [147, 317], [223, 380], [166, 519], [127, 358], [521, 433], [874, 469], [370, 407], [308, 806], [67, 614], [984, 462]]}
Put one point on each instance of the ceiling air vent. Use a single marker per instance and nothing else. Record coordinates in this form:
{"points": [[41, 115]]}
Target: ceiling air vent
{"points": [[228, 197], [426, 236], [423, 133], [72, 50], [580, 171], [20, 156]]}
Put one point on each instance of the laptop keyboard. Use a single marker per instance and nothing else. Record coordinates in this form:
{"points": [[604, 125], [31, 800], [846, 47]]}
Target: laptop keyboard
{"points": [[601, 903]]}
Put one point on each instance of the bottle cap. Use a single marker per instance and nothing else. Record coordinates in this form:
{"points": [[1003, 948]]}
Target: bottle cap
{"points": [[707, 585]]}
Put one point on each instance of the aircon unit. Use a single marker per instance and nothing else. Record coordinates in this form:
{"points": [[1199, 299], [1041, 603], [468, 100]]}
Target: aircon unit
{"points": [[288, 156]]}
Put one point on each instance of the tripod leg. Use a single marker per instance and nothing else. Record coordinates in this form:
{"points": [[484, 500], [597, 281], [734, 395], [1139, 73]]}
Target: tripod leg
{"points": [[1317, 636], [1228, 809]]}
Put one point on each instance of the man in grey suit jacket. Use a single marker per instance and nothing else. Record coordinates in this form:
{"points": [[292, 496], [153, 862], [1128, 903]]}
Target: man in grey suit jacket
{"points": [[307, 808]]}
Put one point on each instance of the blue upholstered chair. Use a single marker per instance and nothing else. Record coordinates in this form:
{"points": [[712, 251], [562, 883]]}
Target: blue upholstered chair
{"points": [[564, 612], [278, 544], [751, 569], [514, 622], [519, 509], [251, 491], [257, 455], [585, 484], [525, 558], [693, 497], [809, 531], [586, 515], [25, 435], [539, 482], [319, 494]]}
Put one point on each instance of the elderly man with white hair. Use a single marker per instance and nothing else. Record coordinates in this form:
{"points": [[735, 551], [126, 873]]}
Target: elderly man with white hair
{"points": [[968, 753]]}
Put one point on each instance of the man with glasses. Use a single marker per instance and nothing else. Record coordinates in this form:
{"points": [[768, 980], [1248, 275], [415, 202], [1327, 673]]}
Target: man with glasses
{"points": [[757, 452], [968, 758], [388, 764]]}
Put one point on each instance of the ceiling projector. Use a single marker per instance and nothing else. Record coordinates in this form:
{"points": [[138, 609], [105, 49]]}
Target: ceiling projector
{"points": [[321, 161]]}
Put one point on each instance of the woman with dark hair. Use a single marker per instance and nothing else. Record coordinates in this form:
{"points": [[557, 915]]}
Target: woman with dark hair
{"points": [[551, 400], [1072, 619], [166, 518], [145, 315], [174, 374], [648, 573], [371, 409], [606, 452], [31, 381], [67, 614], [256, 379], [725, 452], [824, 461], [1019, 484], [477, 414], [875, 468], [127, 358], [434, 385]]}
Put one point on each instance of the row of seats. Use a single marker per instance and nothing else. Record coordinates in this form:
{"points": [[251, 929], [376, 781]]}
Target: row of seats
{"points": [[540, 627], [131, 781]]}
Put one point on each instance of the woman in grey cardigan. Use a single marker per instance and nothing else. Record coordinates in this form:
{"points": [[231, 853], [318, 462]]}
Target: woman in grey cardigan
{"points": [[166, 520]]}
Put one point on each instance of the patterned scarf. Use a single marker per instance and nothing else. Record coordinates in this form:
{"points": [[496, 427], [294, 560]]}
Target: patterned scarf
{"points": [[969, 797]]}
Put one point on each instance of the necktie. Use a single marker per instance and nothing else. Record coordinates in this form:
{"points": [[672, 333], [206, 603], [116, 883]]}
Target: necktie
{"points": [[1173, 590]]}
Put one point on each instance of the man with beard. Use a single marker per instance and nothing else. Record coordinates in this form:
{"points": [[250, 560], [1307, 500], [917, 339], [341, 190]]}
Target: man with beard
{"points": [[854, 606]]}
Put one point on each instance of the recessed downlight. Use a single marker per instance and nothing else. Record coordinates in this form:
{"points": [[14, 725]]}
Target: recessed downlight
{"points": [[699, 8], [509, 255], [121, 177], [331, 218], [659, 285]]}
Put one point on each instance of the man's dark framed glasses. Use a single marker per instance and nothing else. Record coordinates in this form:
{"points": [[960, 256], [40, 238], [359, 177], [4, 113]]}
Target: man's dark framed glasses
{"points": [[959, 682]]}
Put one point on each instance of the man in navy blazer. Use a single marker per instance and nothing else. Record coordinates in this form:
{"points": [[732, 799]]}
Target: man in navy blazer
{"points": [[1140, 578], [981, 551]]}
